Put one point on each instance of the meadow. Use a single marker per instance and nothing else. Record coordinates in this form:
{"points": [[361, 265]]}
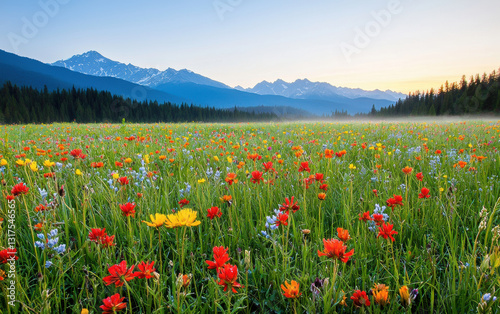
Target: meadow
{"points": [[250, 218]]}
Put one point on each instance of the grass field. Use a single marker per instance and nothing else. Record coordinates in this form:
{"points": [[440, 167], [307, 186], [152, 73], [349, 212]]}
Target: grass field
{"points": [[246, 217]]}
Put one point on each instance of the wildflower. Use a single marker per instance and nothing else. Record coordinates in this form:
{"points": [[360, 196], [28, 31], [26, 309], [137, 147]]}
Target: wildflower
{"points": [[395, 200], [268, 166], [119, 274], [183, 202], [424, 193], [256, 177], [186, 218], [228, 274], [365, 216], [407, 170], [220, 256], [381, 294], [231, 178], [360, 298], [33, 166], [419, 176], [123, 180], [352, 167], [289, 204], [213, 212], [343, 234], [226, 199], [304, 166], [128, 209], [378, 219], [156, 221], [406, 296], [78, 172], [324, 187], [113, 304], [291, 290], [19, 189], [76, 153], [321, 196], [375, 192], [335, 249], [145, 270], [202, 180], [8, 255], [282, 219], [386, 231]]}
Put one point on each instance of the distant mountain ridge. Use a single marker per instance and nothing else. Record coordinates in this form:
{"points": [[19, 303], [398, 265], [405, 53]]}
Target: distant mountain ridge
{"points": [[93, 63], [305, 89]]}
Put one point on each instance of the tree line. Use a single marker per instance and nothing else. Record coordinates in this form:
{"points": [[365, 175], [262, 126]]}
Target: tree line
{"points": [[30, 105], [478, 95]]}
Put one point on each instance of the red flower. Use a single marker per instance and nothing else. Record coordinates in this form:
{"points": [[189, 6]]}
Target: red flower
{"points": [[123, 180], [220, 256], [419, 176], [107, 241], [335, 249], [375, 192], [268, 166], [319, 177], [396, 200], [256, 177], [76, 153], [386, 231], [438, 152], [10, 197], [343, 235], [365, 216], [183, 202], [282, 219], [95, 235], [8, 255], [304, 166], [424, 193], [119, 274], [231, 178], [324, 187], [145, 270], [213, 212], [118, 164], [228, 274], [360, 298], [113, 304], [128, 209], [289, 205], [97, 164], [378, 219], [19, 189]]}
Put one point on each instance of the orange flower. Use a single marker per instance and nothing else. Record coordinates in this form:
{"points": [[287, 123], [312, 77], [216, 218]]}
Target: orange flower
{"points": [[407, 170], [321, 196], [343, 234], [335, 249], [291, 290]]}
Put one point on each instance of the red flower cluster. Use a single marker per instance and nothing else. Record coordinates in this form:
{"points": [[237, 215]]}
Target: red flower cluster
{"points": [[256, 177], [213, 212], [123, 180], [19, 189], [128, 209], [77, 153], [220, 256], [113, 304], [289, 204], [227, 273], [100, 237], [386, 231], [360, 298], [119, 273], [8, 255], [335, 249], [304, 166], [424, 193], [183, 202], [419, 176], [395, 200]]}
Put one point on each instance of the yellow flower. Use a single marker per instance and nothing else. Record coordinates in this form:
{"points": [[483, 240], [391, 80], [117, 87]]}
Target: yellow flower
{"points": [[3, 162], [187, 217], [172, 221], [78, 172], [48, 163], [229, 159], [216, 158], [146, 159], [156, 221], [352, 167], [128, 160], [84, 311], [201, 181], [20, 162], [116, 176], [33, 166], [441, 190]]}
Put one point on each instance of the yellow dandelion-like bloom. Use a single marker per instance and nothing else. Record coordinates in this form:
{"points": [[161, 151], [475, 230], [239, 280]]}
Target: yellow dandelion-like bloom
{"points": [[156, 221], [187, 217]]}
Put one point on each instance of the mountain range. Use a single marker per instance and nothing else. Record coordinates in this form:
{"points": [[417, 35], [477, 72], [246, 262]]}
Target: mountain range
{"points": [[91, 69]]}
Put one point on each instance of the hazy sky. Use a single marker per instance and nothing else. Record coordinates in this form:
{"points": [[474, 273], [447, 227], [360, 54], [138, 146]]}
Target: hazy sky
{"points": [[401, 45]]}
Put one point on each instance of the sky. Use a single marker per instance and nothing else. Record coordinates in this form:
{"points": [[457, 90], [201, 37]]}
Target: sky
{"points": [[401, 45]]}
